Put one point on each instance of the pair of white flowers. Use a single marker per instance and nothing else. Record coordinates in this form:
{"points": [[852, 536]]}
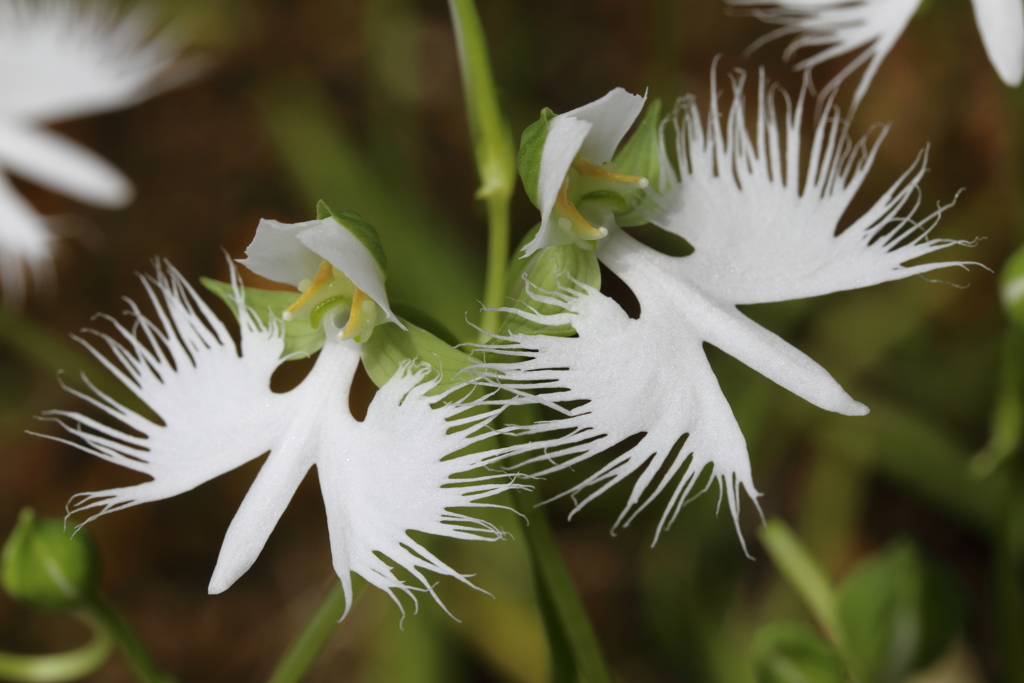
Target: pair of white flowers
{"points": [[761, 213]]}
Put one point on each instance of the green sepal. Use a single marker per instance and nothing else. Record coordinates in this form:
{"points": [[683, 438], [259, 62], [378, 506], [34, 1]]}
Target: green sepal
{"points": [[785, 652], [301, 338], [900, 612], [1011, 286], [390, 345], [357, 225], [531, 146], [46, 566], [549, 269], [641, 156]]}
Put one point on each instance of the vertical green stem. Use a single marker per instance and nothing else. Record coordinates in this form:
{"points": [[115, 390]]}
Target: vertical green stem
{"points": [[492, 146], [142, 663], [313, 638], [559, 596]]}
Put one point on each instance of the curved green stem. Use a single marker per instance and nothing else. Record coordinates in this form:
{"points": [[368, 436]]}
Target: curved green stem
{"points": [[142, 663], [71, 665], [312, 640]]}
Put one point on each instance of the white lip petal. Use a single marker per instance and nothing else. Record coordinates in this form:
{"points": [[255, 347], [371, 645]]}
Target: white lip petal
{"points": [[1001, 24], [56, 162], [382, 478]]}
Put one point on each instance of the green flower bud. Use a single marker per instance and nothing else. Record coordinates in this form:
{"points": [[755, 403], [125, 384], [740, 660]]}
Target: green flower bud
{"points": [[44, 566]]}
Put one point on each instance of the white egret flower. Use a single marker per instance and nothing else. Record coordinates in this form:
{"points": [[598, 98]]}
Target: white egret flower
{"points": [[840, 27], [381, 478], [763, 229], [59, 60]]}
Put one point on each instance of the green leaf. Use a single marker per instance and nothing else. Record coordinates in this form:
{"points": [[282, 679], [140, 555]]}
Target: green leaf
{"points": [[363, 231], [301, 339], [531, 146], [785, 652], [641, 155], [1011, 286], [900, 612], [390, 345], [804, 574], [549, 269], [1006, 424]]}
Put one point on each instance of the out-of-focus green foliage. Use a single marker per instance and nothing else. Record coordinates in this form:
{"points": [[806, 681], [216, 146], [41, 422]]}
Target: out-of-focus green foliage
{"points": [[792, 653]]}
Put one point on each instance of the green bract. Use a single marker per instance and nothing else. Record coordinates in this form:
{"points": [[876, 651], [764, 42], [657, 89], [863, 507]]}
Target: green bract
{"points": [[363, 231], [1011, 286], [301, 338], [784, 652], [899, 612], [45, 566], [531, 146], [384, 352], [641, 156], [549, 269]]}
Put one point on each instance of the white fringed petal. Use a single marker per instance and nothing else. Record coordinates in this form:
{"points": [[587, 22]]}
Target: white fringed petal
{"points": [[838, 27], [593, 131], [763, 225], [61, 59], [1001, 24], [382, 478]]}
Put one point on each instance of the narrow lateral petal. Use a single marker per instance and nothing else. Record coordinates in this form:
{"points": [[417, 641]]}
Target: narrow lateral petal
{"points": [[60, 164], [1001, 24]]}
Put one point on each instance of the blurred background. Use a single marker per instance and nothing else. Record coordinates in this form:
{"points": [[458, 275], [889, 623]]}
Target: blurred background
{"points": [[358, 102]]}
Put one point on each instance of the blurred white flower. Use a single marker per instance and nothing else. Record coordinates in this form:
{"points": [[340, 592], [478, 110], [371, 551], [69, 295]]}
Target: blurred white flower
{"points": [[763, 230], [840, 27], [397, 471], [61, 59]]}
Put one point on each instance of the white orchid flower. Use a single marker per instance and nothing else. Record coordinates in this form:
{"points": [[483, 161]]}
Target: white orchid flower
{"points": [[763, 230], [565, 163], [59, 60], [381, 478], [840, 27]]}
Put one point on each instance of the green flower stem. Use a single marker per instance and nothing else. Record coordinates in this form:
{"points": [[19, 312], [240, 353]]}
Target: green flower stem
{"points": [[492, 145], [313, 638], [141, 662], [559, 596], [805, 575], [71, 665]]}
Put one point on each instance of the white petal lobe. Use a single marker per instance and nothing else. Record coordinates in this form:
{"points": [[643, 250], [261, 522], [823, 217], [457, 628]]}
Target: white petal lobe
{"points": [[1001, 24]]}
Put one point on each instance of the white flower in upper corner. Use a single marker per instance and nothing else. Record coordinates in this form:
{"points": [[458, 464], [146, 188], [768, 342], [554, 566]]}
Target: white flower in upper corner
{"points": [[565, 164], [763, 230], [61, 59], [840, 27], [380, 478]]}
